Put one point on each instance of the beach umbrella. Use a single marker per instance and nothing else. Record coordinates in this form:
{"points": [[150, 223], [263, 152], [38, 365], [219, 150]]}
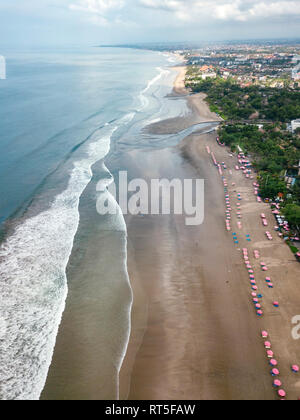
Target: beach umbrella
{"points": [[254, 287], [270, 285], [277, 383], [275, 372], [253, 294], [268, 279], [273, 362], [252, 277], [262, 264], [270, 354], [267, 345], [255, 300], [276, 304], [259, 312], [258, 306], [265, 334], [250, 271], [295, 368], [265, 269], [282, 393], [259, 296]]}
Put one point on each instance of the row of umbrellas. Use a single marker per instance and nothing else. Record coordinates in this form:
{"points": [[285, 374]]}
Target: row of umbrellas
{"points": [[273, 363]]}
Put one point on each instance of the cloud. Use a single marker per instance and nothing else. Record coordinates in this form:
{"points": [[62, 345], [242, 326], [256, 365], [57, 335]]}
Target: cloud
{"points": [[97, 6], [101, 12], [225, 10]]}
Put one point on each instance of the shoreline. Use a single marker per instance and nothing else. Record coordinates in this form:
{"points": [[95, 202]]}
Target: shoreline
{"points": [[198, 337], [199, 110]]}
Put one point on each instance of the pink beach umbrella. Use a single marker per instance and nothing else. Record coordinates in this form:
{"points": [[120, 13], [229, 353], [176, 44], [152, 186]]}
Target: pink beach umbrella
{"points": [[267, 345], [259, 312], [276, 304], [265, 269], [258, 306], [253, 294], [277, 383], [275, 372], [265, 334], [255, 300], [273, 362], [295, 368], [270, 354], [254, 287], [262, 264], [270, 285], [282, 393]]}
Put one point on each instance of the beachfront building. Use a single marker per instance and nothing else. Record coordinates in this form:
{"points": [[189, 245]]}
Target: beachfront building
{"points": [[2, 68], [211, 75], [295, 124]]}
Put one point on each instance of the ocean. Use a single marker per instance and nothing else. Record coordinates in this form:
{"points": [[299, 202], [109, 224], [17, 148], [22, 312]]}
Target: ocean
{"points": [[60, 111]]}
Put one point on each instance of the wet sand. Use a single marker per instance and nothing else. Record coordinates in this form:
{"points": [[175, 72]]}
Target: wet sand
{"points": [[199, 110], [195, 333]]}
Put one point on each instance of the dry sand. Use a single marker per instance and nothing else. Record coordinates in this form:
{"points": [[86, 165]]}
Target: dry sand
{"points": [[195, 333]]}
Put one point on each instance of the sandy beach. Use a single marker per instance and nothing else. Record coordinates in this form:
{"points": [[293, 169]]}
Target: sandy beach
{"points": [[195, 333]]}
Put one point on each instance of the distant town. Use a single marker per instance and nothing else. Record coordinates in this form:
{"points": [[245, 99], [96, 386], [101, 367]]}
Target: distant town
{"points": [[275, 66]]}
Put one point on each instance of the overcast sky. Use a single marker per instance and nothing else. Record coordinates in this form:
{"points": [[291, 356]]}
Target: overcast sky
{"points": [[64, 22]]}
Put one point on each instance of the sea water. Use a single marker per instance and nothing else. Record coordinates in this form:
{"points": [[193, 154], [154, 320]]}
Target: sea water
{"points": [[61, 112]]}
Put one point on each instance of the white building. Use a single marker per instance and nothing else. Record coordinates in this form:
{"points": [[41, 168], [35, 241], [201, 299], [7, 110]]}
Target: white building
{"points": [[2, 68], [295, 124], [207, 75], [296, 73]]}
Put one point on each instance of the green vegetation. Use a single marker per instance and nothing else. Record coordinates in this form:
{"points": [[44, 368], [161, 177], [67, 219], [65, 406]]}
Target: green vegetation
{"points": [[292, 214], [253, 102], [273, 151]]}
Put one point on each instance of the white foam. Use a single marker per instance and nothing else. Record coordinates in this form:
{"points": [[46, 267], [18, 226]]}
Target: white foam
{"points": [[33, 283], [143, 97]]}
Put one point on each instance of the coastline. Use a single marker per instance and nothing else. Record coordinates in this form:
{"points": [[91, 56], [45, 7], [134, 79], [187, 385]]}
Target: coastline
{"points": [[194, 332], [199, 110]]}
